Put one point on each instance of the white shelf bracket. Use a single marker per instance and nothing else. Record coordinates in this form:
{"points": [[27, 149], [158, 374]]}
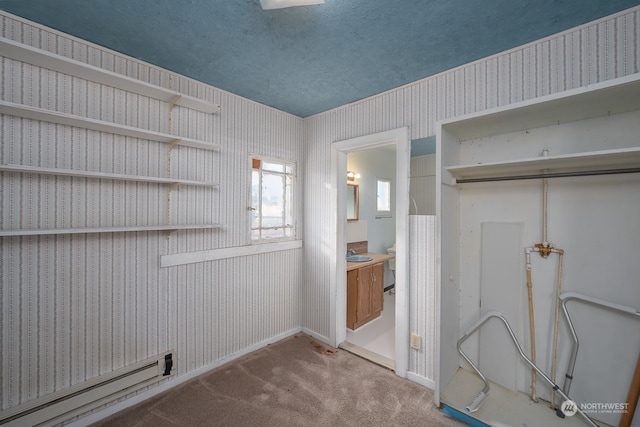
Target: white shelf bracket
{"points": [[174, 101], [173, 186]]}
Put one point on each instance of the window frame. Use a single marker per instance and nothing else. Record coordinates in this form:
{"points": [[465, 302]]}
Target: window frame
{"points": [[384, 213], [287, 199]]}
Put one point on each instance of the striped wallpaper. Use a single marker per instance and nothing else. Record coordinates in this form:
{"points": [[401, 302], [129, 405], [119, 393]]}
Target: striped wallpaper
{"points": [[77, 306], [602, 50], [422, 292]]}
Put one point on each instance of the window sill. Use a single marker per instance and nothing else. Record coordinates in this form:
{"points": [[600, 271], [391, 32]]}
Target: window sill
{"points": [[173, 260]]}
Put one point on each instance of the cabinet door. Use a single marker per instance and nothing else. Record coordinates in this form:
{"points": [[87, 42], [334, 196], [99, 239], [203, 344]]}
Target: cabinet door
{"points": [[364, 295], [377, 288], [352, 298]]}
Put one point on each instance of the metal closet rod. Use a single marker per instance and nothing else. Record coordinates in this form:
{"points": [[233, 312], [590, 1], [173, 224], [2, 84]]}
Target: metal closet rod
{"points": [[548, 175]]}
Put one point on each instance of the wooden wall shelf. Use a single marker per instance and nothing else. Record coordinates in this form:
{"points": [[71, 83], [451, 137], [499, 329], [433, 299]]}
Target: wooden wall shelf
{"points": [[102, 175], [40, 58], [50, 61], [54, 231], [36, 113]]}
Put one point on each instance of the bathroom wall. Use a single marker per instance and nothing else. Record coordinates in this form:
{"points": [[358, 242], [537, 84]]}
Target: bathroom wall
{"points": [[374, 164], [595, 52], [74, 307], [422, 185], [371, 165]]}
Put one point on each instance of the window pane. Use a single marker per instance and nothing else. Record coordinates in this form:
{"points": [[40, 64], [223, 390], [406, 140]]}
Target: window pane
{"points": [[384, 195], [272, 200], [274, 167]]}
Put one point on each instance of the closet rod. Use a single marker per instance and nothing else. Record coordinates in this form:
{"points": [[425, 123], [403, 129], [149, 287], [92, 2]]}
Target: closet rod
{"points": [[548, 175]]}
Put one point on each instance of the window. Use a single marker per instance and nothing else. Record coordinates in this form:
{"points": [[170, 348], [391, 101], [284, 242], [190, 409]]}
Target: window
{"points": [[384, 198], [271, 200], [384, 195]]}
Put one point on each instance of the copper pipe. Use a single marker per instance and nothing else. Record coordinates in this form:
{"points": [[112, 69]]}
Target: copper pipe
{"points": [[632, 398], [555, 327], [532, 327], [545, 250]]}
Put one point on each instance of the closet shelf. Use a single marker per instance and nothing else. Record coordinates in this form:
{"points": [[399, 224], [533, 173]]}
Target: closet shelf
{"points": [[596, 100], [42, 232], [24, 53], [102, 175], [41, 114], [621, 160]]}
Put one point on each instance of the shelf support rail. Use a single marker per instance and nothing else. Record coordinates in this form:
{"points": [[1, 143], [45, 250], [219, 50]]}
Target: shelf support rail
{"points": [[477, 401], [548, 175]]}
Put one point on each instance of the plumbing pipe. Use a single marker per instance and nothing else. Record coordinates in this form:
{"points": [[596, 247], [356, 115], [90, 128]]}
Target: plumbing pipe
{"points": [[545, 249], [632, 398], [565, 298], [545, 193], [483, 394], [532, 327], [555, 327]]}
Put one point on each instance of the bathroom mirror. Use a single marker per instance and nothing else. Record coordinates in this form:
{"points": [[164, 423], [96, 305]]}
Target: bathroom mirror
{"points": [[353, 201]]}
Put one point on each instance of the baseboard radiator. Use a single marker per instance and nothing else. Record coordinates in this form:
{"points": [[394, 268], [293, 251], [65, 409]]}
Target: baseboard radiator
{"points": [[62, 405]]}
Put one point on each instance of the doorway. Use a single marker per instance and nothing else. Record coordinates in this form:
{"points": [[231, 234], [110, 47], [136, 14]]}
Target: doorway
{"points": [[339, 150]]}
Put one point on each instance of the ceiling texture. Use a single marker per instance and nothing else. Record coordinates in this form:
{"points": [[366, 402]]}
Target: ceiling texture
{"points": [[310, 59]]}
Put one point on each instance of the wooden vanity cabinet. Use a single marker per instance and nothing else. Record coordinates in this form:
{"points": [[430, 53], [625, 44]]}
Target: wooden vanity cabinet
{"points": [[365, 290]]}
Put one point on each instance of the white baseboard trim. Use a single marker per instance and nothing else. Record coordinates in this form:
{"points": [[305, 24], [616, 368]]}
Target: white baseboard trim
{"points": [[419, 379], [316, 335], [147, 394]]}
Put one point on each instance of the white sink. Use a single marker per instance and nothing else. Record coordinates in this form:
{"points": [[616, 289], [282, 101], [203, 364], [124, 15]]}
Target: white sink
{"points": [[358, 258]]}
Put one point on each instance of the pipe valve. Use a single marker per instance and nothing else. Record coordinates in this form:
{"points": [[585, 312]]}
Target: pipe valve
{"points": [[545, 249]]}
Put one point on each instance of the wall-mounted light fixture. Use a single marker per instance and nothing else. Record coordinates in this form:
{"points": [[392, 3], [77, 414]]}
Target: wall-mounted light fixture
{"points": [[352, 176], [280, 4]]}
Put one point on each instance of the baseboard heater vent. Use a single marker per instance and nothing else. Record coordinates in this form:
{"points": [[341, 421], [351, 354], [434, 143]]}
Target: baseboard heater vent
{"points": [[62, 405]]}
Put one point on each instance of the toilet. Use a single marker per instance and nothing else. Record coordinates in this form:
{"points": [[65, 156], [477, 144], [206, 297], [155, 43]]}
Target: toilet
{"points": [[392, 262], [392, 267]]}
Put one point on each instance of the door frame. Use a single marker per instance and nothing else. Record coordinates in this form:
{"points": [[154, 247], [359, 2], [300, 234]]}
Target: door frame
{"points": [[338, 286]]}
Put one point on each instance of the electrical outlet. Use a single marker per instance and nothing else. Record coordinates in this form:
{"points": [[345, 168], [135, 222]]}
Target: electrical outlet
{"points": [[415, 341]]}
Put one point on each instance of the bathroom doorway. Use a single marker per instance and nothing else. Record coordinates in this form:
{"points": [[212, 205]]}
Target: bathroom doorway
{"points": [[399, 310], [371, 231]]}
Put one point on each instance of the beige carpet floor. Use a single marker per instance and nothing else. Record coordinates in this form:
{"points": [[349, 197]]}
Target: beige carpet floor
{"points": [[295, 382]]}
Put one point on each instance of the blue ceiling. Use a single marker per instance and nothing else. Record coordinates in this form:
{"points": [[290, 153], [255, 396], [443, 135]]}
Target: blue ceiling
{"points": [[305, 60]]}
